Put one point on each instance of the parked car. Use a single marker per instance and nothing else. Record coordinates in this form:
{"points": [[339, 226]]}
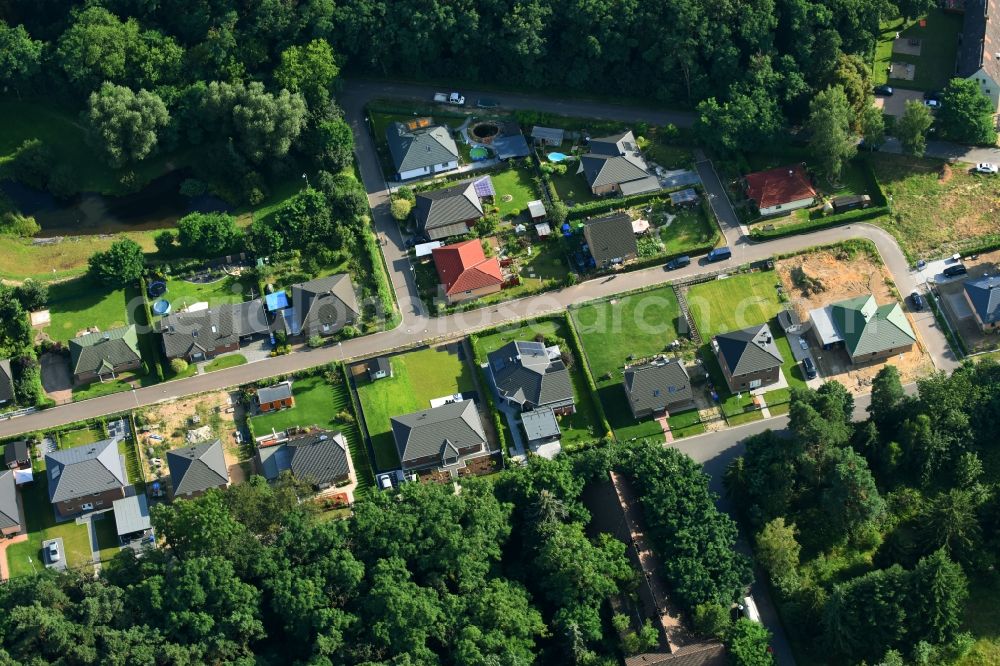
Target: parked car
{"points": [[803, 344], [452, 98], [921, 264], [678, 262], [885, 91], [53, 552], [719, 254], [385, 482], [933, 94], [809, 368], [918, 301], [986, 167], [933, 103], [957, 269]]}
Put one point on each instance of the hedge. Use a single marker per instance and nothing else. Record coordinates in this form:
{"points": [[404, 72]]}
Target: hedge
{"points": [[616, 203], [151, 344], [381, 273], [574, 340], [808, 226], [498, 424]]}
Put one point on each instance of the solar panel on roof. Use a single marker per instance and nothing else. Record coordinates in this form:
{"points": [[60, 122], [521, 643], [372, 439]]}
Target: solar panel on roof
{"points": [[484, 187]]}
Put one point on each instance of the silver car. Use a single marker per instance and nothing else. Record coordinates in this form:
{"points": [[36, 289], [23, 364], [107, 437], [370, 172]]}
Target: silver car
{"points": [[53, 552]]}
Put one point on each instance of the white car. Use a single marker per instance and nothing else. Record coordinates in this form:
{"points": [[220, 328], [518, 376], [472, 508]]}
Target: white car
{"points": [[933, 103], [986, 167], [385, 482], [53, 552]]}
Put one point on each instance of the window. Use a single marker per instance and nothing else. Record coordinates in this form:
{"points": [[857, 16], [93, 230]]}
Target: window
{"points": [[755, 383]]}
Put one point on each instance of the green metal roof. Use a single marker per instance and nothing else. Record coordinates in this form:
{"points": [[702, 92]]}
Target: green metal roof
{"points": [[102, 351], [869, 328]]}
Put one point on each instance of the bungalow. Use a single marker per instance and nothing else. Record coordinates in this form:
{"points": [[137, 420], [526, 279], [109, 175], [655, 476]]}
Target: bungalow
{"points": [[529, 375], [611, 239], [979, 47], [983, 297], [85, 477], [615, 165], [16, 455], [323, 306], [6, 382], [749, 358], [273, 398], [420, 148], [465, 272], [379, 368], [450, 211], [867, 331], [204, 334], [320, 457], [104, 355], [445, 437], [10, 513], [779, 191], [657, 387], [196, 469]]}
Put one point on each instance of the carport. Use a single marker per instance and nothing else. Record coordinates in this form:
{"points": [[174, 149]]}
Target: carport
{"points": [[826, 331], [132, 518]]}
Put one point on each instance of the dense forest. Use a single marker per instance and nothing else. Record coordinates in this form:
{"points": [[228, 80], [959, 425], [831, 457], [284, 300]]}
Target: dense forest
{"points": [[871, 532]]}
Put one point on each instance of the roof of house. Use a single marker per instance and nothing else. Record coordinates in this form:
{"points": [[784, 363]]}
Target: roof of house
{"points": [[103, 352], [185, 333], [525, 372], [749, 350], [788, 319], [252, 318], [319, 456], [132, 514], [195, 469], [10, 514], [379, 364], [610, 237], [984, 294], [869, 328], [658, 384], [420, 147], [430, 432], [447, 210], [980, 43], [550, 134], [779, 186], [6, 380], [330, 300], [640, 186], [540, 424], [282, 391], [511, 145], [84, 470], [15, 451], [465, 267], [614, 159], [536, 208]]}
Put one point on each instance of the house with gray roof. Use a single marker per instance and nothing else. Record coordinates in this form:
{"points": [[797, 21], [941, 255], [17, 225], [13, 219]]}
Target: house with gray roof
{"points": [[529, 375], [278, 396], [16, 455], [6, 382], [450, 211], [104, 355], [11, 521], [196, 469], [657, 387], [983, 297], [199, 335], [319, 457], [610, 239], [323, 306], [547, 136], [444, 437], [421, 148], [85, 478], [749, 357], [615, 165], [979, 47]]}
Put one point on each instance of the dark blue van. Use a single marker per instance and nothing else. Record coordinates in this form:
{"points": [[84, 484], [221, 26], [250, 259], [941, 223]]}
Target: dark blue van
{"points": [[719, 254]]}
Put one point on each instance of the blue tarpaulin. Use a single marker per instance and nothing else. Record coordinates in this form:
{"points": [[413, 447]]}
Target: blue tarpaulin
{"points": [[276, 301]]}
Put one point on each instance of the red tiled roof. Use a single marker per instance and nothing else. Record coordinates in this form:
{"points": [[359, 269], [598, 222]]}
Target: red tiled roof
{"points": [[465, 267], [779, 186]]}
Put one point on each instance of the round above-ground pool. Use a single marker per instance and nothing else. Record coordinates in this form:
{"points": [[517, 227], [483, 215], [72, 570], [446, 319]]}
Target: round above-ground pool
{"points": [[479, 153], [161, 307], [556, 157], [156, 288]]}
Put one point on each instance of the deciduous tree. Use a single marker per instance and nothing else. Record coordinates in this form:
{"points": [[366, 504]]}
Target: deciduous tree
{"points": [[124, 125], [967, 114], [830, 139], [912, 126]]}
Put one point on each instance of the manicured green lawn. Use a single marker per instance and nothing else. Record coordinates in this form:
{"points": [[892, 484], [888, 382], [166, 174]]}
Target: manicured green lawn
{"points": [[689, 229], [418, 377], [108, 543], [685, 424], [182, 293], [936, 63], [515, 182], [97, 389], [739, 301], [223, 362], [79, 303], [572, 187], [127, 449], [71, 438]]}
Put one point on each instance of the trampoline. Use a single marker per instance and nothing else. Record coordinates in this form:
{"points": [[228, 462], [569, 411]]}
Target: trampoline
{"points": [[479, 153], [556, 157], [156, 288], [161, 307]]}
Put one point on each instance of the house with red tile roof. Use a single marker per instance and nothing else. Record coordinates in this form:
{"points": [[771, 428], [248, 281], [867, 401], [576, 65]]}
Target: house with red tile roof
{"points": [[778, 191], [466, 272]]}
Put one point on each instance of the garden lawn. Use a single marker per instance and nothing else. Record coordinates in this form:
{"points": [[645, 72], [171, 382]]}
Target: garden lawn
{"points": [[516, 182], [418, 377], [98, 388], [223, 362], [76, 304], [71, 438], [126, 448], [936, 63], [685, 424], [108, 543], [690, 229], [739, 301], [572, 187], [182, 293]]}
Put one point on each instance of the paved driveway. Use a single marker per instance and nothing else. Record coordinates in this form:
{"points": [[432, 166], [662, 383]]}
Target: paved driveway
{"points": [[896, 104], [56, 378]]}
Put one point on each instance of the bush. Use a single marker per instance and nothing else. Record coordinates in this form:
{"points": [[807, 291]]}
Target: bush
{"points": [[315, 341], [32, 164], [711, 619], [592, 208], [819, 223], [400, 209], [178, 365]]}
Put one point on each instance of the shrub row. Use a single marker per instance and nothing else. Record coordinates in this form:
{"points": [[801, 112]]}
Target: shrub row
{"points": [[437, 183], [617, 203], [809, 226], [152, 348], [498, 424], [381, 273], [581, 359]]}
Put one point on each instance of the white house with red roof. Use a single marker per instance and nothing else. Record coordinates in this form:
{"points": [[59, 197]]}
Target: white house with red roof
{"points": [[778, 191], [466, 272]]}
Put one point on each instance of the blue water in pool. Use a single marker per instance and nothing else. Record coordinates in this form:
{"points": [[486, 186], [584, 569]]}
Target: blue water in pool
{"points": [[556, 157]]}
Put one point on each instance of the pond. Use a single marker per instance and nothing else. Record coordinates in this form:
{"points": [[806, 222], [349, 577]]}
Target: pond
{"points": [[158, 205]]}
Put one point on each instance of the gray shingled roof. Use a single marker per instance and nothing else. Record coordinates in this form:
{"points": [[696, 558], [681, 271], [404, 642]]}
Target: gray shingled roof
{"points": [[429, 432], [195, 469], [84, 470], [442, 213], [132, 514], [281, 391], [524, 373], [14, 452], [551, 134], [321, 457], [610, 237], [980, 39], [640, 186], [102, 352], [252, 318], [984, 293], [749, 350], [204, 331], [6, 381], [10, 516], [324, 301], [419, 148], [656, 385], [613, 159]]}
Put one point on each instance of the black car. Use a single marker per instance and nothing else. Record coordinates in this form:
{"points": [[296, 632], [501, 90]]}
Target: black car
{"points": [[957, 269], [885, 91], [809, 368], [917, 300], [678, 262]]}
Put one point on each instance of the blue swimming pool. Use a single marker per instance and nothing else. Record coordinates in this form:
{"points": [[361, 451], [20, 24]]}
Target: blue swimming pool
{"points": [[161, 307], [556, 157]]}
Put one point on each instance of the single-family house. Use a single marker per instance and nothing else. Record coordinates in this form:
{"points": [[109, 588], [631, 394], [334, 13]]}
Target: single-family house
{"points": [[323, 306], [465, 272], [657, 387], [379, 368], [979, 47], [611, 239], [6, 382], [445, 437], [85, 478], [16, 455], [547, 136], [421, 148], [196, 469], [867, 331], [529, 375], [749, 357], [615, 165], [198, 335], [104, 355], [319, 457], [450, 211], [781, 190], [983, 297], [11, 521], [132, 518], [273, 398]]}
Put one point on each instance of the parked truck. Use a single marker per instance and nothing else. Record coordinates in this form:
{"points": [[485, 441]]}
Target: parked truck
{"points": [[450, 98]]}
